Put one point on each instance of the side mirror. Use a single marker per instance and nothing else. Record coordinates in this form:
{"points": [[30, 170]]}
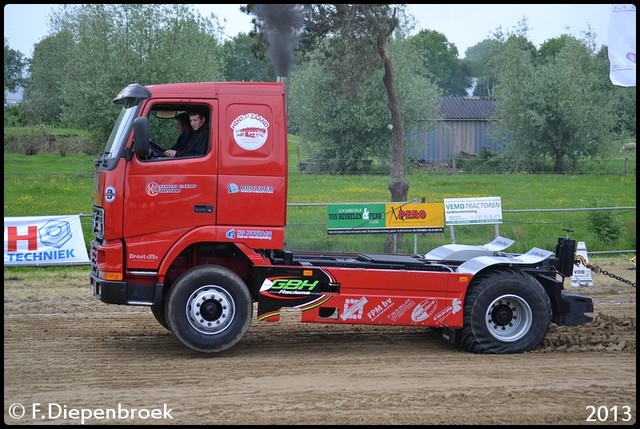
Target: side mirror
{"points": [[141, 137]]}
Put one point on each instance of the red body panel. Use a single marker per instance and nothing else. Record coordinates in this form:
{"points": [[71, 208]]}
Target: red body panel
{"points": [[378, 297]]}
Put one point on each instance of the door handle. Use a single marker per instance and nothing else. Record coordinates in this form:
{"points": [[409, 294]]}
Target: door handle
{"points": [[201, 208]]}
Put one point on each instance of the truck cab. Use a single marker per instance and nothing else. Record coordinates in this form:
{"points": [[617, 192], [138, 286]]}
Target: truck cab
{"points": [[155, 216]]}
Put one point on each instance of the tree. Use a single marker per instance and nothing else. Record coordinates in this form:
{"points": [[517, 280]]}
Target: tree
{"points": [[115, 45], [14, 64], [554, 108], [241, 64], [480, 60], [353, 40], [50, 64], [440, 62]]}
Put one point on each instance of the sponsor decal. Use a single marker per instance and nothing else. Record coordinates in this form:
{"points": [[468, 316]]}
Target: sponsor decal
{"points": [[255, 234], [353, 308], [401, 310], [423, 310], [152, 188], [289, 286], [380, 309], [110, 194], [150, 257], [456, 305], [250, 131], [233, 188]]}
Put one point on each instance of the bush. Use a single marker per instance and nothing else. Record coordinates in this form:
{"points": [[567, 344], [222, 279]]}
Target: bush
{"points": [[606, 226], [33, 140]]}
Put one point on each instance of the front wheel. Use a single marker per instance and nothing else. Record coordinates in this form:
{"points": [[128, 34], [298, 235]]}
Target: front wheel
{"points": [[158, 312], [505, 312], [209, 309]]}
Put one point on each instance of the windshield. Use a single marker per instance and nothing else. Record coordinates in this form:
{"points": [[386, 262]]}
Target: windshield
{"points": [[118, 137]]}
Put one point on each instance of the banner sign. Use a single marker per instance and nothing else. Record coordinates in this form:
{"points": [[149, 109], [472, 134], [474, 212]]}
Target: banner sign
{"points": [[473, 211], [44, 240], [378, 218], [622, 45]]}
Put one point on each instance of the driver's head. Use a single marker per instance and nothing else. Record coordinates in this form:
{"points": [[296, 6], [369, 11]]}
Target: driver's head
{"points": [[197, 119]]}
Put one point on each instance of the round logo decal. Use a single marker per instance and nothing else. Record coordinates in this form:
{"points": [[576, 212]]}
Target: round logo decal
{"points": [[423, 310], [250, 131]]}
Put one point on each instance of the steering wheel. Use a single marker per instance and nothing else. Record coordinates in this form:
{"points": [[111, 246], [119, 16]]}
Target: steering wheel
{"points": [[155, 149]]}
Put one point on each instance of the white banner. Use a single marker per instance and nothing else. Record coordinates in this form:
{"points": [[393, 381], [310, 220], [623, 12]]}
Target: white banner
{"points": [[472, 211], [44, 240], [622, 45]]}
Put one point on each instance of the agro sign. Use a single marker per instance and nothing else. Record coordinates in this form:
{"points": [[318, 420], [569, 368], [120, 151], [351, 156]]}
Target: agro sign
{"points": [[384, 218], [473, 211]]}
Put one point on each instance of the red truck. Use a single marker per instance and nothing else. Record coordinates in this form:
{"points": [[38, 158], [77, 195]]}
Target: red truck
{"points": [[200, 240]]}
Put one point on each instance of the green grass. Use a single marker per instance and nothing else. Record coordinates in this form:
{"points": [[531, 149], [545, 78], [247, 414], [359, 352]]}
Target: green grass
{"points": [[51, 184]]}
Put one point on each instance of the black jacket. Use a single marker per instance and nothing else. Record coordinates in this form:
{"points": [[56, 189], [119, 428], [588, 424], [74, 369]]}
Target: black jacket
{"points": [[181, 142], [198, 143]]}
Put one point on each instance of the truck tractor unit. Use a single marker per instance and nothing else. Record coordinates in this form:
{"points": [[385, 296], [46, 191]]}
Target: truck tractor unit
{"points": [[200, 240]]}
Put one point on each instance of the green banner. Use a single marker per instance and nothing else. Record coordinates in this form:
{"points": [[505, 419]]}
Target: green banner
{"points": [[384, 218], [355, 218]]}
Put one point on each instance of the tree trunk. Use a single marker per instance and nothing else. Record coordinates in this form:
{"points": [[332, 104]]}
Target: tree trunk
{"points": [[398, 184], [559, 165]]}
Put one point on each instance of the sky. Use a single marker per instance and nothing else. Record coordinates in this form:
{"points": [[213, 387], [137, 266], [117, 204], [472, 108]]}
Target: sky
{"points": [[464, 25]]}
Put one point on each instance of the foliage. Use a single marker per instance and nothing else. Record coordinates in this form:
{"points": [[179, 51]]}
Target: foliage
{"points": [[37, 139], [483, 60], [241, 65], [440, 63], [15, 115], [606, 226], [343, 135], [95, 50], [550, 109], [112, 46], [14, 64], [44, 95]]}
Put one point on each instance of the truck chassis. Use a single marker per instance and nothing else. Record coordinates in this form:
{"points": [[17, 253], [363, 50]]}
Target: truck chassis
{"points": [[483, 301]]}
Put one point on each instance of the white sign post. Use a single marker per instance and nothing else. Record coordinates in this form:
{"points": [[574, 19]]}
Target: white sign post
{"points": [[472, 211]]}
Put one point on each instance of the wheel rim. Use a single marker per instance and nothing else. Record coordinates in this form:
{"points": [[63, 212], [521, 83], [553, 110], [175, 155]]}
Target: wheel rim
{"points": [[509, 318], [210, 310]]}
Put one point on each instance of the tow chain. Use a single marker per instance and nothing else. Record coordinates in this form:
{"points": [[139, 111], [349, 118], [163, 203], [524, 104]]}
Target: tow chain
{"points": [[599, 270]]}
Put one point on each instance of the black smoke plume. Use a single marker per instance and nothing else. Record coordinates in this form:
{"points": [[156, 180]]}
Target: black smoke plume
{"points": [[282, 27]]}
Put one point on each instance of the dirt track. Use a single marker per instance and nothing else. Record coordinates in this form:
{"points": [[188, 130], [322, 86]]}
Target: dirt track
{"points": [[66, 353]]}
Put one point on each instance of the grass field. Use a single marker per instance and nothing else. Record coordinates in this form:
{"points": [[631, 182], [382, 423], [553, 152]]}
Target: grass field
{"points": [[51, 184]]}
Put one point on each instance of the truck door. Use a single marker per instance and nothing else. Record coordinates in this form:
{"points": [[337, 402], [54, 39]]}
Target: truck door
{"points": [[167, 196]]}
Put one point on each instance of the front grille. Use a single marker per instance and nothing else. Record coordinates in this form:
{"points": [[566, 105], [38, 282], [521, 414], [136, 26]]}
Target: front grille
{"points": [[98, 222], [93, 257]]}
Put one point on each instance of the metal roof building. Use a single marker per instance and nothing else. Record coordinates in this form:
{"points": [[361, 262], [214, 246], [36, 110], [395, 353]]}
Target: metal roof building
{"points": [[463, 128]]}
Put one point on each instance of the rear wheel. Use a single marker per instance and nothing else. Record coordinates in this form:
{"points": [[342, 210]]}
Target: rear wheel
{"points": [[505, 312], [209, 309]]}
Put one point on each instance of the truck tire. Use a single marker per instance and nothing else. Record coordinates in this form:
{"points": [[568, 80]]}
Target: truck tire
{"points": [[505, 311], [158, 311], [209, 309]]}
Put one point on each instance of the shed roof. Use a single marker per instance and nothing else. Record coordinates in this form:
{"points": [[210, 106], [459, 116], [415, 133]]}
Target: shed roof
{"points": [[467, 108]]}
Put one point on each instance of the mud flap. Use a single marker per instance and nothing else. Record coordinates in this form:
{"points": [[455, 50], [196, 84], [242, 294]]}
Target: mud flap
{"points": [[577, 307]]}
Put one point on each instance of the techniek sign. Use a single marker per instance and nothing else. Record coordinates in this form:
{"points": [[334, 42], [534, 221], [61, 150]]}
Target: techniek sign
{"points": [[44, 240]]}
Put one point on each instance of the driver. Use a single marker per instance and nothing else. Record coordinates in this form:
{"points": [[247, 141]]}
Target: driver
{"points": [[184, 129], [198, 142]]}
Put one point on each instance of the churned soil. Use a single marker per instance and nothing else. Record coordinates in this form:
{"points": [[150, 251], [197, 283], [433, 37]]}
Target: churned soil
{"points": [[71, 359]]}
